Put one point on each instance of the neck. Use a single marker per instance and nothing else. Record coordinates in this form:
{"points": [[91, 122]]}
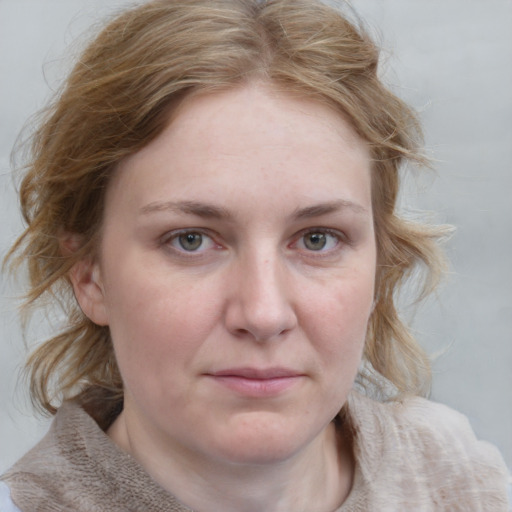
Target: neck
{"points": [[317, 478]]}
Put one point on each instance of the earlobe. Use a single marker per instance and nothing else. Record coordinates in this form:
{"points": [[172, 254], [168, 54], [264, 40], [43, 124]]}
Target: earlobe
{"points": [[85, 276]]}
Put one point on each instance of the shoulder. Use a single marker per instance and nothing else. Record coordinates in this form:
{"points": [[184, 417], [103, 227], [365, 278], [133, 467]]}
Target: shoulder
{"points": [[428, 451], [441, 434], [420, 426], [6, 504], [43, 474], [433, 425]]}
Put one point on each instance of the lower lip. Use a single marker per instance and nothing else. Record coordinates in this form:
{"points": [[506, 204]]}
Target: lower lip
{"points": [[257, 387]]}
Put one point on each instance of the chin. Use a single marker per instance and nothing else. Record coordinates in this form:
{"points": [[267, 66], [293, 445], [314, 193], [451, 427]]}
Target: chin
{"points": [[259, 441]]}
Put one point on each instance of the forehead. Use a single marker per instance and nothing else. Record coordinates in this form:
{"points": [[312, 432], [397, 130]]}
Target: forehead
{"points": [[260, 113], [247, 137]]}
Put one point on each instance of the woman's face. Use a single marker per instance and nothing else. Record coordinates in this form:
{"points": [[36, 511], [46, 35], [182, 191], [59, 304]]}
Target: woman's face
{"points": [[236, 274]]}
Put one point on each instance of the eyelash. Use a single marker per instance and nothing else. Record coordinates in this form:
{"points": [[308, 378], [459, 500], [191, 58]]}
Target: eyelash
{"points": [[173, 237], [169, 239], [338, 237]]}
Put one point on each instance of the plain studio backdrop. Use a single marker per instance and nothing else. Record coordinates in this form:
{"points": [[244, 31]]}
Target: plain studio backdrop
{"points": [[450, 59]]}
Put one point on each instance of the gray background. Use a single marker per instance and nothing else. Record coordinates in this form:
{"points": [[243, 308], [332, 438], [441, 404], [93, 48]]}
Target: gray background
{"points": [[452, 60]]}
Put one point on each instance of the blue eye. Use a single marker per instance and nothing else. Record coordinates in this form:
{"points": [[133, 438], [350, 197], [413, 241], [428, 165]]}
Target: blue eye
{"points": [[318, 241], [191, 241]]}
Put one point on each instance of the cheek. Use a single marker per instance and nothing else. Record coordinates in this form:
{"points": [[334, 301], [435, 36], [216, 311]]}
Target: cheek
{"points": [[340, 318], [159, 322]]}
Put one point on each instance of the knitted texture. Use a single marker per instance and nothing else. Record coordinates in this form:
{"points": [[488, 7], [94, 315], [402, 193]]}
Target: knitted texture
{"points": [[410, 455]]}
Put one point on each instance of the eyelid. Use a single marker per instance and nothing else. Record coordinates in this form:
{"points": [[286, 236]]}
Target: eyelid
{"points": [[339, 235], [172, 235], [342, 238]]}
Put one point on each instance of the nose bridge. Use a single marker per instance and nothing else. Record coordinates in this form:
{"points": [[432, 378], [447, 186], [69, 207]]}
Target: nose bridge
{"points": [[261, 305], [265, 278]]}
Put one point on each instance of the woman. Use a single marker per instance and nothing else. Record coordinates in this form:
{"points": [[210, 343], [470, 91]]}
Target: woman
{"points": [[212, 197]]}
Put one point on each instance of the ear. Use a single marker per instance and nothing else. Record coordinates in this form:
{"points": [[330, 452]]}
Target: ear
{"points": [[85, 276]]}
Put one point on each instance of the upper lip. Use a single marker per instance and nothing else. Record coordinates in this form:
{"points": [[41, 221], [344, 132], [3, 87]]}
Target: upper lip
{"points": [[257, 373]]}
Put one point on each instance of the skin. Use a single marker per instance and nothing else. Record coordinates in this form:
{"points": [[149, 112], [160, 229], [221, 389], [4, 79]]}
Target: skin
{"points": [[240, 241]]}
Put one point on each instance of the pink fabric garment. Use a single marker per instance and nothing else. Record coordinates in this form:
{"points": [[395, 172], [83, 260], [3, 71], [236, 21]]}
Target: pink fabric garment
{"points": [[6, 504], [411, 455]]}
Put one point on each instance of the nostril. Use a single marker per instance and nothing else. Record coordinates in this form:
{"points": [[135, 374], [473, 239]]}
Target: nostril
{"points": [[242, 332], [261, 327]]}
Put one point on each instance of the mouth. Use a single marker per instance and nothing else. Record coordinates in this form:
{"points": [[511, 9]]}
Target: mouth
{"points": [[257, 382]]}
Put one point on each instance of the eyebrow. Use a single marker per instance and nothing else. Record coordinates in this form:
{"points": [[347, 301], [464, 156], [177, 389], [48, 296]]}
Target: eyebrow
{"points": [[210, 211], [318, 210], [198, 209]]}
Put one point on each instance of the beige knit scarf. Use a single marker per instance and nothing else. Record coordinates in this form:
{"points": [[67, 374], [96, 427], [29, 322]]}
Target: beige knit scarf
{"points": [[412, 455]]}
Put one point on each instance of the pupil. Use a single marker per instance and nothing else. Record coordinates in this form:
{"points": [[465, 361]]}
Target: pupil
{"points": [[191, 241], [315, 241]]}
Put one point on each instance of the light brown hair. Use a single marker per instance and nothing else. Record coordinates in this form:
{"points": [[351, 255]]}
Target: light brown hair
{"points": [[118, 98]]}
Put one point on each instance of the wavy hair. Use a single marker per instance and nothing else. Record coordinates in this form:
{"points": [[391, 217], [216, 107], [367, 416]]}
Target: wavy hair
{"points": [[118, 98]]}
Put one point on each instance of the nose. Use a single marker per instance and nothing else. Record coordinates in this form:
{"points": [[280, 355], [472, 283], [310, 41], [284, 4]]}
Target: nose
{"points": [[261, 304]]}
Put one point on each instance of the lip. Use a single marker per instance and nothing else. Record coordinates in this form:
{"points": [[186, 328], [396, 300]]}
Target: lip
{"points": [[257, 382]]}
